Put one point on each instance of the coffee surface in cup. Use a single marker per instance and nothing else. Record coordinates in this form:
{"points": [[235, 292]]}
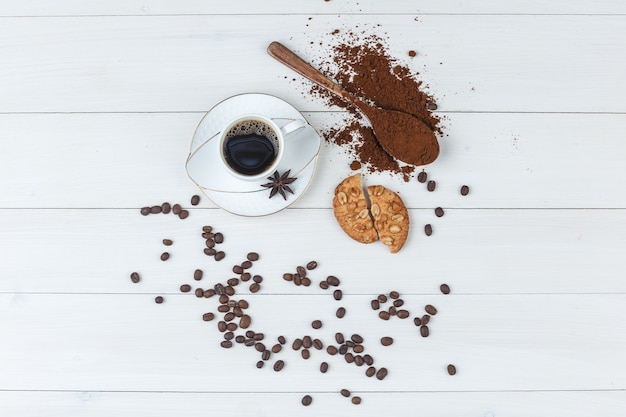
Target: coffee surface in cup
{"points": [[250, 147]]}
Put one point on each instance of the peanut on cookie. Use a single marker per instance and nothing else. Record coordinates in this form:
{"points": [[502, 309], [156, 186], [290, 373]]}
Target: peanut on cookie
{"points": [[351, 212], [391, 218]]}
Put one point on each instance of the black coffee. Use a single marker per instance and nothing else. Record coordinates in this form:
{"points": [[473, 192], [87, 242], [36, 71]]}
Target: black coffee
{"points": [[250, 147]]}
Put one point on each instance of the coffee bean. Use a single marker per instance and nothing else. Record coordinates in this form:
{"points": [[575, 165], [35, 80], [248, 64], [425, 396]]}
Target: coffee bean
{"points": [[229, 336], [386, 341], [221, 326], [165, 256], [226, 344], [199, 292], [403, 314], [297, 344], [349, 357], [253, 256], [307, 400], [168, 242], [254, 287], [384, 315], [341, 312], [223, 299], [316, 324], [282, 340], [155, 209], [246, 264], [183, 214], [358, 360], [438, 212], [288, 277], [219, 256], [306, 354], [370, 372], [382, 298], [259, 347], [425, 319], [324, 367], [233, 282], [134, 277], [331, 350], [398, 303], [210, 251], [392, 311], [245, 321], [339, 338], [431, 186], [250, 334], [238, 312], [451, 369], [237, 269], [345, 393], [166, 208], [176, 209], [195, 200], [306, 281], [229, 290], [356, 338], [231, 327], [464, 190], [297, 279], [245, 277], [394, 294], [307, 341], [375, 304], [337, 295], [279, 365], [358, 349], [207, 229], [343, 349], [324, 285], [311, 265], [209, 243], [208, 316], [229, 316], [317, 344], [430, 309], [249, 342], [350, 343], [219, 238], [197, 274], [209, 293], [422, 176], [158, 299], [356, 400], [428, 229], [257, 278], [259, 336], [381, 374], [368, 359], [145, 211], [277, 348], [185, 288], [424, 331], [240, 339], [301, 271], [333, 280], [260, 364], [266, 355], [444, 288]]}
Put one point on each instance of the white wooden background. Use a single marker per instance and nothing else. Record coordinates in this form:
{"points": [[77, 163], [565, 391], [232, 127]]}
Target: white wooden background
{"points": [[98, 102]]}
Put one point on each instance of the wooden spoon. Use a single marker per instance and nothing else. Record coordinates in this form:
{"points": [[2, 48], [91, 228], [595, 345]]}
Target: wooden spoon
{"points": [[402, 135]]}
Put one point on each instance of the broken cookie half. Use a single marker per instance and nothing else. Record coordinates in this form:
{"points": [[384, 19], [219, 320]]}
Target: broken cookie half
{"points": [[386, 218]]}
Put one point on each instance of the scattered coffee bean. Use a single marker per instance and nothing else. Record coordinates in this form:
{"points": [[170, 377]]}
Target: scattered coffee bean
{"points": [[306, 281], [208, 316], [259, 336], [185, 288], [259, 347], [197, 274], [277, 348], [306, 354], [438, 212], [223, 299], [307, 341], [209, 243], [245, 321], [311, 265], [368, 359], [250, 334], [282, 340], [219, 256], [260, 364], [165, 256], [331, 350], [209, 293], [301, 271], [324, 367], [266, 355], [337, 295], [428, 229], [358, 360], [158, 299], [210, 251], [345, 392], [424, 331], [392, 311], [237, 269], [166, 208], [333, 280], [288, 277], [431, 106], [417, 321], [422, 177], [431, 186], [168, 242], [199, 292], [229, 290], [350, 343], [324, 285], [257, 278], [221, 326], [229, 336], [384, 315], [195, 200], [240, 339], [386, 341], [238, 312], [358, 349], [316, 324], [382, 298], [370, 371], [356, 400], [254, 287], [253, 256], [307, 400], [349, 357], [430, 309], [219, 238], [394, 294], [297, 344], [183, 214], [145, 211], [279, 365], [231, 327], [246, 264], [451, 369], [343, 349], [403, 314], [341, 312], [444, 288], [176, 209], [134, 277], [398, 303], [233, 282], [425, 319], [229, 316], [381, 374], [356, 338], [245, 277], [317, 344], [155, 209], [464, 190], [226, 344], [375, 305], [339, 338]]}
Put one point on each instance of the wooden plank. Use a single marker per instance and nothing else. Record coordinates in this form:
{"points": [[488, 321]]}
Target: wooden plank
{"points": [[156, 7], [467, 404], [124, 342], [186, 63], [508, 160], [474, 251]]}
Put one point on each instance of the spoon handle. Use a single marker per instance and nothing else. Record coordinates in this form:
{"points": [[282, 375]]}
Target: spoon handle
{"points": [[293, 61]]}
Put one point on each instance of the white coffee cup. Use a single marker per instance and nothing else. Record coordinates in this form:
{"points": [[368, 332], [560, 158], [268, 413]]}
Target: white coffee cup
{"points": [[252, 146]]}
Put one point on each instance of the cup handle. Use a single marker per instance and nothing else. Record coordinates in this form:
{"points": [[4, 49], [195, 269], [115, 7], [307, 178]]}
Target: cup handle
{"points": [[292, 126]]}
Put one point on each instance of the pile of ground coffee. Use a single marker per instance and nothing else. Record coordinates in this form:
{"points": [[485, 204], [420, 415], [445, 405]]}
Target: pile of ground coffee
{"points": [[361, 64]]}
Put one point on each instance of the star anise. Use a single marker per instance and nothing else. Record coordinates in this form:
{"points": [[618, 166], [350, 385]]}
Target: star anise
{"points": [[279, 184]]}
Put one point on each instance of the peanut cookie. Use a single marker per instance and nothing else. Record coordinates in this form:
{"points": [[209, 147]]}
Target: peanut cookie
{"points": [[391, 218], [351, 211]]}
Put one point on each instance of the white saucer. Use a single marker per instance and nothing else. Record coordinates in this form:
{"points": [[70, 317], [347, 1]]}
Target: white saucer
{"points": [[244, 197]]}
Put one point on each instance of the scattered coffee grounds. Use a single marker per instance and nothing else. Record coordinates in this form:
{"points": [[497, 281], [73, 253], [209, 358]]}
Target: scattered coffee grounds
{"points": [[464, 190], [134, 277], [439, 212], [444, 288], [195, 200], [165, 256], [428, 229], [307, 400], [431, 186], [167, 242], [361, 64], [451, 369]]}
